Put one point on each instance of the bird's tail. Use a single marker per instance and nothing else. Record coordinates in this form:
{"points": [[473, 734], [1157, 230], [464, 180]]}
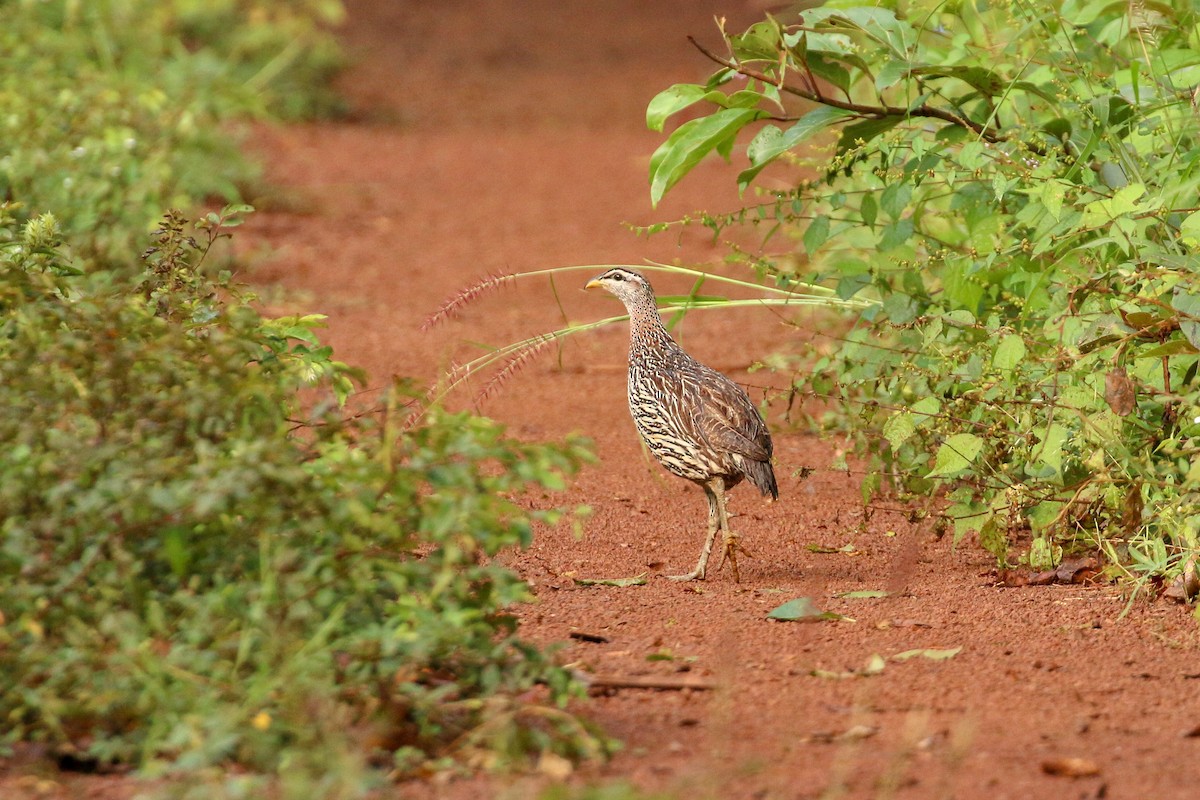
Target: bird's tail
{"points": [[762, 475]]}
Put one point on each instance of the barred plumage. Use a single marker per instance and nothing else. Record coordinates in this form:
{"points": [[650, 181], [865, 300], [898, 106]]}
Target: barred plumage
{"points": [[699, 424]]}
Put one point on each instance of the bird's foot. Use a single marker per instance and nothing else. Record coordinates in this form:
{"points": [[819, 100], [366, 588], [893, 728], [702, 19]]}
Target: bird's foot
{"points": [[729, 553], [695, 575]]}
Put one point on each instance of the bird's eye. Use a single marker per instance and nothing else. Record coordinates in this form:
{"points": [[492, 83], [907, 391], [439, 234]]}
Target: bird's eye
{"points": [[618, 277]]}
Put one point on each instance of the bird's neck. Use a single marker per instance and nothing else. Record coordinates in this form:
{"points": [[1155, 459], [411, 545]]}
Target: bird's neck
{"points": [[646, 327]]}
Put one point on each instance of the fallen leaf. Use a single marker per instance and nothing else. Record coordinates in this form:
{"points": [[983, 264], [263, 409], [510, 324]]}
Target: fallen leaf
{"points": [[864, 594], [930, 653], [1186, 586], [1119, 392], [1012, 577], [874, 666], [857, 733], [636, 580], [802, 609], [853, 734], [1070, 767], [1075, 570], [1043, 578]]}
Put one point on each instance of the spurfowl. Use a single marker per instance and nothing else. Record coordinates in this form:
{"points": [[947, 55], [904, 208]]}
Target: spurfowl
{"points": [[699, 424]]}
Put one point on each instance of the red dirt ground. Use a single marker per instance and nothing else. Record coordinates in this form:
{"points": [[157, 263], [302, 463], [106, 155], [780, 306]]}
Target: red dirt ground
{"points": [[504, 136]]}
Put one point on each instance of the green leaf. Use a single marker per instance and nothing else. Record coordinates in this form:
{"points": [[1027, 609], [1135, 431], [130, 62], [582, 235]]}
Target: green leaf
{"points": [[1050, 450], [802, 609], [864, 594], [828, 69], [1188, 306], [899, 308], [771, 142], [1009, 352], [760, 41], [671, 101], [1125, 201], [1044, 554], [869, 209], [690, 142], [816, 234], [896, 234], [1189, 230], [898, 429], [894, 199], [1175, 347], [967, 517], [925, 409], [870, 486], [880, 24], [890, 74], [956, 454], [1051, 195], [986, 81]]}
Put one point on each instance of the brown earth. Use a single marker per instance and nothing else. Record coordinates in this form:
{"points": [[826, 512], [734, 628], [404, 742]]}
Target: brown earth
{"points": [[505, 136]]}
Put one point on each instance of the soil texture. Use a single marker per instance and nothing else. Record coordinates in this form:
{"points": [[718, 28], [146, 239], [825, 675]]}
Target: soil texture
{"points": [[508, 136]]}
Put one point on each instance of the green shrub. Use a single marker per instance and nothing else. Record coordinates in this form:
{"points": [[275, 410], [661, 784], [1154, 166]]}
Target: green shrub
{"points": [[198, 569], [1015, 185], [114, 110]]}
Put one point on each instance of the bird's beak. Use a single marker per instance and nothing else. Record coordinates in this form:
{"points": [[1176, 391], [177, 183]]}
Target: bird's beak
{"points": [[594, 283]]}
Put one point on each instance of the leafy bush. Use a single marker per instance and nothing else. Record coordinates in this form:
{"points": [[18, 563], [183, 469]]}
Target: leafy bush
{"points": [[196, 568], [1015, 185], [115, 110]]}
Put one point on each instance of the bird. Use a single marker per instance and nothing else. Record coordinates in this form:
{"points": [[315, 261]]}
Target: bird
{"points": [[698, 423]]}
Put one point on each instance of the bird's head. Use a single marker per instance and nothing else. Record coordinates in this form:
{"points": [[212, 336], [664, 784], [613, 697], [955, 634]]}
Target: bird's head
{"points": [[629, 286]]}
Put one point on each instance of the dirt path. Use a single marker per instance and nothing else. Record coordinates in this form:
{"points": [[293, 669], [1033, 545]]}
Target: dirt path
{"points": [[501, 136]]}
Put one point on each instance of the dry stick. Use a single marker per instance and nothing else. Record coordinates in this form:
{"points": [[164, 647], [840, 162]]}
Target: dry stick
{"points": [[923, 110]]}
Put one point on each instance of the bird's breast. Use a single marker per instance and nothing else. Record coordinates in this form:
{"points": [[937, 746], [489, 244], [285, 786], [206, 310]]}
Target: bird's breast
{"points": [[661, 403]]}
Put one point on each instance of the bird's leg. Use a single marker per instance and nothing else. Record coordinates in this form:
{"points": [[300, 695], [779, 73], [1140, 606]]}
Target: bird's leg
{"points": [[714, 523], [731, 538]]}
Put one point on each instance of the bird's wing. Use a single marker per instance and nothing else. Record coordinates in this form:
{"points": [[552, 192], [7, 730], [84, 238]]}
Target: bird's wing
{"points": [[728, 419]]}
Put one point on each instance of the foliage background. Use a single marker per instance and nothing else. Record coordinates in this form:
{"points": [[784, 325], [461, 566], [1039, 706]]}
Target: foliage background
{"points": [[115, 110], [203, 559], [1015, 185]]}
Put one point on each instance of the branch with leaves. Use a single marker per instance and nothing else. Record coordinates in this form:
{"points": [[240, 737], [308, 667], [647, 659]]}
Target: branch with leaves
{"points": [[1014, 188]]}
